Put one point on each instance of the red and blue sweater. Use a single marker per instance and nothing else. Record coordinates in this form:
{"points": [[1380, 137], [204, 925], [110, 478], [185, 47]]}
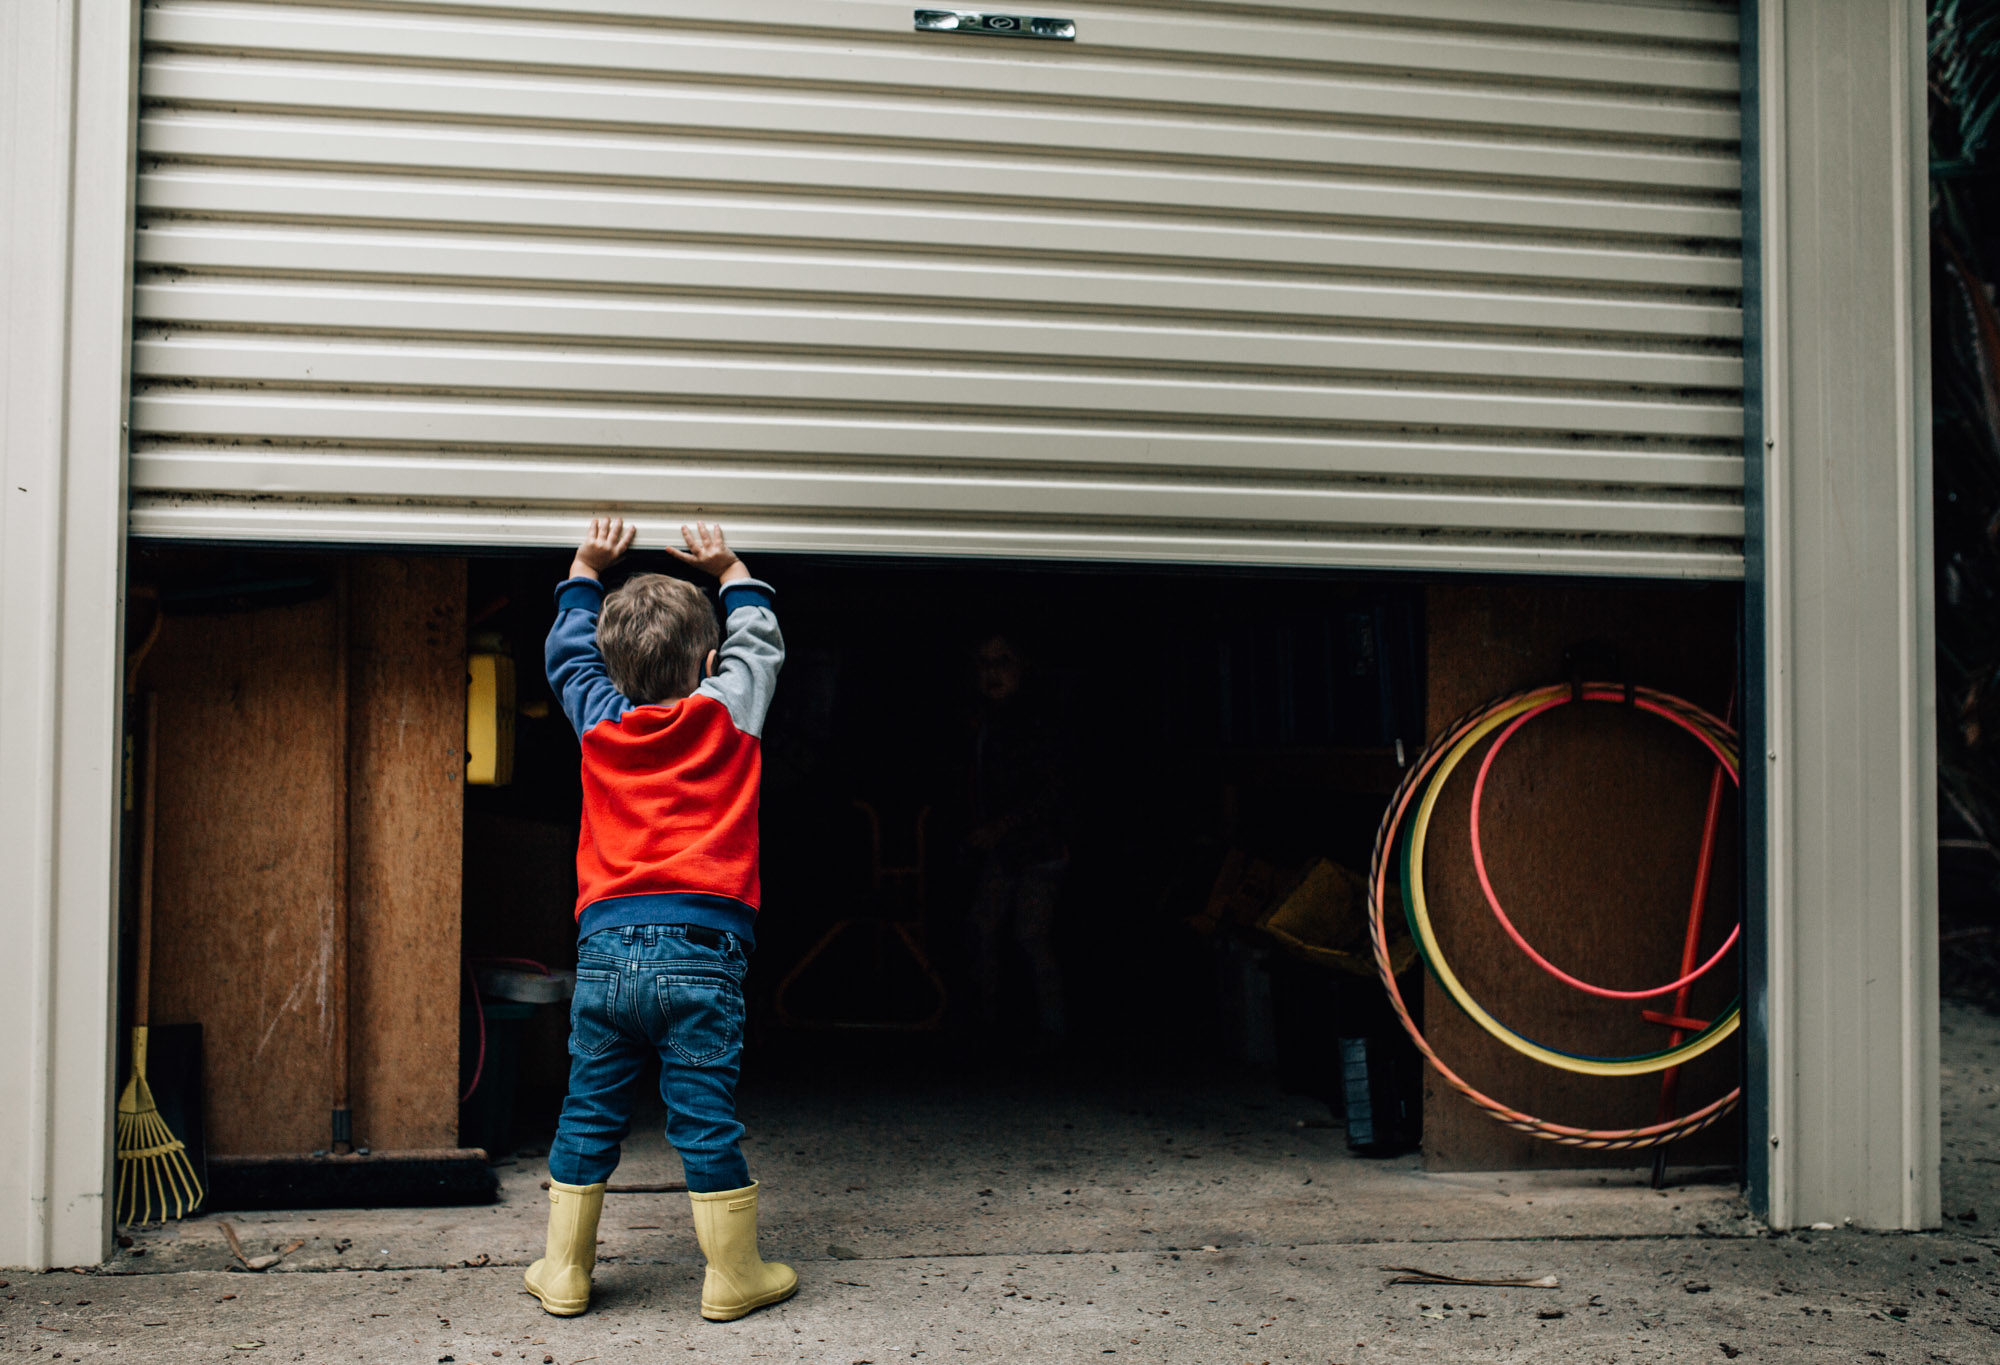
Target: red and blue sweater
{"points": [[670, 790]]}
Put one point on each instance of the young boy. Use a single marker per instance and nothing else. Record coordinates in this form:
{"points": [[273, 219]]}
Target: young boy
{"points": [[668, 717]]}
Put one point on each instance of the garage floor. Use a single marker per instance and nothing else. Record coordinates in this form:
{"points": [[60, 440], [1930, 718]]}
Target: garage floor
{"points": [[1064, 1222]]}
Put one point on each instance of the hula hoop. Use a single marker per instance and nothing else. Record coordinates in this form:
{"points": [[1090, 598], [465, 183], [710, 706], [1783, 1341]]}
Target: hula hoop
{"points": [[1516, 1039], [1493, 899], [1593, 1139], [1420, 922]]}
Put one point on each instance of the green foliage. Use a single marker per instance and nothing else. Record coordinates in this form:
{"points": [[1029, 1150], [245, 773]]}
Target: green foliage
{"points": [[1965, 83], [1965, 357]]}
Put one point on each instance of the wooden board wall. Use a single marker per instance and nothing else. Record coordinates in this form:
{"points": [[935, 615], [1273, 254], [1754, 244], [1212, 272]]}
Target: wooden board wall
{"points": [[250, 753], [407, 674], [244, 873], [1591, 826]]}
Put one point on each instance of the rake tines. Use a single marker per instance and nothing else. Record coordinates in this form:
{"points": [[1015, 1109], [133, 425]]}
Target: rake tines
{"points": [[156, 1181]]}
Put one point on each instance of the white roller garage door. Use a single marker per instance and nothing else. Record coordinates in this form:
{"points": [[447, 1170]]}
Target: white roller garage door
{"points": [[1420, 283]]}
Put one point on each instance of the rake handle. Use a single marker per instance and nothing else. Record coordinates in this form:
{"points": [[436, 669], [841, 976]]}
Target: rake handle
{"points": [[142, 991]]}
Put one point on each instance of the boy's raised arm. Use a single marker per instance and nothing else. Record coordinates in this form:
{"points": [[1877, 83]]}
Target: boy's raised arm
{"points": [[753, 649], [575, 668]]}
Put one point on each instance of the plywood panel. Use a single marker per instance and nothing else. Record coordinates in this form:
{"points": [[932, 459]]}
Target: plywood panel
{"points": [[252, 813], [1591, 825], [244, 905], [407, 676]]}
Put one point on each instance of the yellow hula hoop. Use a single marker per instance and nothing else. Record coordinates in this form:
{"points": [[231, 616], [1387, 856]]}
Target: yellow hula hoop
{"points": [[1420, 912]]}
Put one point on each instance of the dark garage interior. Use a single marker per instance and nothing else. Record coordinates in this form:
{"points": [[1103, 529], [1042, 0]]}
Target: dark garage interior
{"points": [[1208, 746], [1181, 716]]}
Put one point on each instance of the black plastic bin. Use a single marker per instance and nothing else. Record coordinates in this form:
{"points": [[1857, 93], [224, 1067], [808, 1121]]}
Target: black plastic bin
{"points": [[486, 1115]]}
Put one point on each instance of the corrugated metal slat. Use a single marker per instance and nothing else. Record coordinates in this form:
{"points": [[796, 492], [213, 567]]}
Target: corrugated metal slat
{"points": [[885, 222], [692, 118], [791, 381], [1422, 280], [856, 44], [268, 418], [666, 320]]}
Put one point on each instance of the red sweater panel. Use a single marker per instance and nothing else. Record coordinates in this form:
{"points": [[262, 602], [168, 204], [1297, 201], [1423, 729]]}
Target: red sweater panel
{"points": [[670, 797]]}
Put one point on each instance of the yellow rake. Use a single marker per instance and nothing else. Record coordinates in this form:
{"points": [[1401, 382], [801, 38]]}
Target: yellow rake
{"points": [[156, 1181]]}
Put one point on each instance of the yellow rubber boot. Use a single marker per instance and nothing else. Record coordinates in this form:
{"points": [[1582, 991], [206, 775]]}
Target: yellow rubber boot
{"points": [[561, 1279], [738, 1282]]}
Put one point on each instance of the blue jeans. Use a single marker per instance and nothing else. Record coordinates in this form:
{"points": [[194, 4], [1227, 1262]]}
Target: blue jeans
{"points": [[644, 989]]}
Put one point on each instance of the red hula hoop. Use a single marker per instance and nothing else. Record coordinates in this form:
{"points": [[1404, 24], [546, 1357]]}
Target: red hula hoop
{"points": [[1493, 898]]}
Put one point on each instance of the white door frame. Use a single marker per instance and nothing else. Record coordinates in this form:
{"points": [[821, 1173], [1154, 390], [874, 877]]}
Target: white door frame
{"points": [[1842, 970], [68, 72]]}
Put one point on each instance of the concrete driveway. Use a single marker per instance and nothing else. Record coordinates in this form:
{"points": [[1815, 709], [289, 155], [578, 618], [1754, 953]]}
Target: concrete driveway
{"points": [[1213, 1226]]}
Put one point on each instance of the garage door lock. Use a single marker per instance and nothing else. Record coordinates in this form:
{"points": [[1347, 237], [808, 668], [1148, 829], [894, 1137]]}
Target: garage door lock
{"points": [[996, 25]]}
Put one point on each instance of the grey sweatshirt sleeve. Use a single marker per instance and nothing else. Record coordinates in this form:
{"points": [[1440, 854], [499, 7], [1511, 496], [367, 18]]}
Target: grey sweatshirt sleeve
{"points": [[753, 650]]}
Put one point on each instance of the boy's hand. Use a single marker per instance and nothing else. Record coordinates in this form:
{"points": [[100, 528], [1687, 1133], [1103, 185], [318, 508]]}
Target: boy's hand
{"points": [[606, 544], [709, 552]]}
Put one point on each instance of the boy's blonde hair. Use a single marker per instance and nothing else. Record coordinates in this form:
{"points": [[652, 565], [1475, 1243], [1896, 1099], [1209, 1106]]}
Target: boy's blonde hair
{"points": [[655, 633]]}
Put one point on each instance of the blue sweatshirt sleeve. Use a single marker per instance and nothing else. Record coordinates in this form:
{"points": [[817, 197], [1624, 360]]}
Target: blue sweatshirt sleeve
{"points": [[576, 669]]}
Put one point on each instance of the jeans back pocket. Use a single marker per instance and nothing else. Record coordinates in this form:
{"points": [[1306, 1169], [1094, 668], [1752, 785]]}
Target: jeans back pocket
{"points": [[704, 1013], [593, 1012]]}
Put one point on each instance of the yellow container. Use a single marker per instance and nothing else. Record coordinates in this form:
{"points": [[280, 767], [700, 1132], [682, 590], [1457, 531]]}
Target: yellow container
{"points": [[489, 720]]}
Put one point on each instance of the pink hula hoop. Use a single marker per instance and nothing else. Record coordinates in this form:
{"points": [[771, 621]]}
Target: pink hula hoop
{"points": [[1493, 899]]}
